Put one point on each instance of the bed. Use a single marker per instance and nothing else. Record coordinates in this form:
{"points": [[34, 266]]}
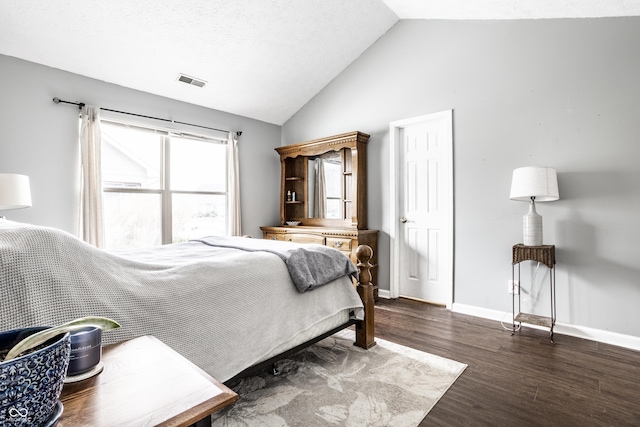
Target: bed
{"points": [[227, 306]]}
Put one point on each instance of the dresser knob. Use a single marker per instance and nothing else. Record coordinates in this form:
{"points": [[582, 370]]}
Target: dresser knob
{"points": [[337, 244]]}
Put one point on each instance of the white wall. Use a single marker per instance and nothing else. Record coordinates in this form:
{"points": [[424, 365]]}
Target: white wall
{"points": [[560, 93], [40, 139]]}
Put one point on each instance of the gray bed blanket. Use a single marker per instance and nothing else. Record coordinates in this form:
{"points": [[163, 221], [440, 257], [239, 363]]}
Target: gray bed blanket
{"points": [[310, 265], [223, 309]]}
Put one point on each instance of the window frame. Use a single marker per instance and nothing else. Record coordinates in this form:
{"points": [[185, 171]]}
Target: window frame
{"points": [[165, 192]]}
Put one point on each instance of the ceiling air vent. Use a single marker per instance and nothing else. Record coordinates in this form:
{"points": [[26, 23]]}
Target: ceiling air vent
{"points": [[191, 80]]}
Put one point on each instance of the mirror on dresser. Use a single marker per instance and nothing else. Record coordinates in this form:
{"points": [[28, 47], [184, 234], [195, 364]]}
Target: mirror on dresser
{"points": [[323, 195], [327, 186]]}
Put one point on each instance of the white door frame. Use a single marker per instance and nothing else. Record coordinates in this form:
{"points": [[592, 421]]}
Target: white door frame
{"points": [[395, 229]]}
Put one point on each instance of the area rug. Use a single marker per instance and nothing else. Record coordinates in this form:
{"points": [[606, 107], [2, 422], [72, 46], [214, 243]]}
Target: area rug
{"points": [[334, 383]]}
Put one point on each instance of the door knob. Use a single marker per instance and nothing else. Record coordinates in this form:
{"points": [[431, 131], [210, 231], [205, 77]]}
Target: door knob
{"points": [[403, 220]]}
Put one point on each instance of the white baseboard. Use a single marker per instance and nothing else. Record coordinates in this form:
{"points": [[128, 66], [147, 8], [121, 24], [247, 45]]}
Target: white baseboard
{"points": [[383, 293], [607, 337]]}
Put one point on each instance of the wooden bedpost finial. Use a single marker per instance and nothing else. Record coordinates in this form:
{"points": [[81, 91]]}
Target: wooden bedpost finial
{"points": [[365, 328], [364, 253]]}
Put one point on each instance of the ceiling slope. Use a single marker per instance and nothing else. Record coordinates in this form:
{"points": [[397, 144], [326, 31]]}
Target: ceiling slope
{"points": [[512, 9], [262, 59]]}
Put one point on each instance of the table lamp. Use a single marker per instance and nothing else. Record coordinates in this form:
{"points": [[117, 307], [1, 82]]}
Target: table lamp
{"points": [[15, 192], [535, 184]]}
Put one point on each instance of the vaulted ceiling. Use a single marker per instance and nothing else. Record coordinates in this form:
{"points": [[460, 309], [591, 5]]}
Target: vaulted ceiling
{"points": [[263, 59]]}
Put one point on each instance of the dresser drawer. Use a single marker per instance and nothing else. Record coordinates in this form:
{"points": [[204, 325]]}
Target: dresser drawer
{"points": [[304, 238], [274, 236], [341, 244]]}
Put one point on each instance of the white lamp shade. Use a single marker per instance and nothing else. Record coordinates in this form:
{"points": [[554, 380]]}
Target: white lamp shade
{"points": [[534, 181], [15, 192]]}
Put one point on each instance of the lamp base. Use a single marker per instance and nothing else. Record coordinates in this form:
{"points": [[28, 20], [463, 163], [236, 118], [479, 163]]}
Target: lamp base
{"points": [[532, 227]]}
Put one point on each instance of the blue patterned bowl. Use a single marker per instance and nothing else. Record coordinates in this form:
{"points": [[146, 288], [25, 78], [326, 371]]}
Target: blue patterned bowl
{"points": [[30, 385]]}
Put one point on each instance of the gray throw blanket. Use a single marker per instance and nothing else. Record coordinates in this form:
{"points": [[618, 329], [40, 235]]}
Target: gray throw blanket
{"points": [[309, 265]]}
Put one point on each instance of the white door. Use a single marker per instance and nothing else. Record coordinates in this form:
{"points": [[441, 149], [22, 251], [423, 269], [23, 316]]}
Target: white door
{"points": [[424, 208]]}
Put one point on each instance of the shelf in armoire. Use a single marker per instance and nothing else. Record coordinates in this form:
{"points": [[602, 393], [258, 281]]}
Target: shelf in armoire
{"points": [[293, 202]]}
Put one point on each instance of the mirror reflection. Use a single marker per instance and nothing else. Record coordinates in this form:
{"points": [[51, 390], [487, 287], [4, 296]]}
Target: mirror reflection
{"points": [[325, 186]]}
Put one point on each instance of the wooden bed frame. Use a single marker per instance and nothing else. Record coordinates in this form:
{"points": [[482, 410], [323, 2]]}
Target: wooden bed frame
{"points": [[364, 328]]}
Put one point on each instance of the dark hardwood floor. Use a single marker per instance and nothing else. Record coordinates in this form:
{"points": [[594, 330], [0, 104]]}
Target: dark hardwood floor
{"points": [[520, 380]]}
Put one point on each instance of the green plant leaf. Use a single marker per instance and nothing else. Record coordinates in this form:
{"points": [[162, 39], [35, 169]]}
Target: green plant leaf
{"points": [[40, 337]]}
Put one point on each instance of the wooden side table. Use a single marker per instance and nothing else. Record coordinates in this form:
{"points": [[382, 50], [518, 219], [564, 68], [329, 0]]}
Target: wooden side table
{"points": [[144, 383], [545, 254]]}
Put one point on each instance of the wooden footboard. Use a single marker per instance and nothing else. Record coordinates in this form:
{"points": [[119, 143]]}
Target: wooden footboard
{"points": [[365, 328]]}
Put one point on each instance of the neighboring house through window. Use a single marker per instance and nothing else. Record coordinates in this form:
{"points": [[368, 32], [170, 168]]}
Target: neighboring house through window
{"points": [[161, 187]]}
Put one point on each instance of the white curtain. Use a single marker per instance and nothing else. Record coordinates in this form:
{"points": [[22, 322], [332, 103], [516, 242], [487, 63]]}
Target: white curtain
{"points": [[233, 178], [90, 218], [320, 199]]}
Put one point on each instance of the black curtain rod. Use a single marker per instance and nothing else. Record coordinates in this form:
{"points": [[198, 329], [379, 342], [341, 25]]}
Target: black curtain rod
{"points": [[82, 104]]}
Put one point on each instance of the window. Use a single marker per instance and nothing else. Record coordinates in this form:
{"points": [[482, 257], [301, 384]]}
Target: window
{"points": [[160, 187], [333, 188]]}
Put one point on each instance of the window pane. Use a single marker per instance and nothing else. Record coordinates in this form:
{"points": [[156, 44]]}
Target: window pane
{"points": [[132, 220], [196, 215], [333, 179], [333, 189], [334, 208], [131, 157], [197, 165]]}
